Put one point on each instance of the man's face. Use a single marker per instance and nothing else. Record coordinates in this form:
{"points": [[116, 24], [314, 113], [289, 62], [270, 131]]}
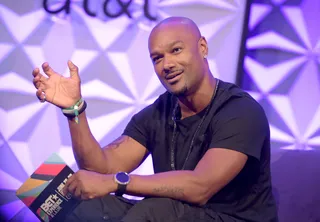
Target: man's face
{"points": [[177, 58]]}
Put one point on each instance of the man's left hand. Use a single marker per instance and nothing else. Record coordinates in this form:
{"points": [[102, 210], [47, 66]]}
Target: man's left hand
{"points": [[88, 185]]}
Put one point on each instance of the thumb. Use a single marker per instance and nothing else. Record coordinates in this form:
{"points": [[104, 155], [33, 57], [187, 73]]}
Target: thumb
{"points": [[74, 71]]}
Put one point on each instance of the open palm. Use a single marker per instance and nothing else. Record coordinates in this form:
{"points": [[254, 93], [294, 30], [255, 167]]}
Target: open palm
{"points": [[57, 89]]}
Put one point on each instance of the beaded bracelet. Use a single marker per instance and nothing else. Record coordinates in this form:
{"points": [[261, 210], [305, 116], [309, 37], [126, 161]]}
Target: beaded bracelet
{"points": [[76, 110]]}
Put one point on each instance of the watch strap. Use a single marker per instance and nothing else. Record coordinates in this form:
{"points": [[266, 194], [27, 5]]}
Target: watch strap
{"points": [[121, 189]]}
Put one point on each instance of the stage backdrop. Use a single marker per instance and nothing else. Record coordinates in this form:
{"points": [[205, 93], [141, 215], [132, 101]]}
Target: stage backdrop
{"points": [[281, 70], [108, 42]]}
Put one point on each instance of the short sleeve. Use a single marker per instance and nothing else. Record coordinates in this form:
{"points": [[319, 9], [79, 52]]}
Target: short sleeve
{"points": [[138, 127], [241, 125]]}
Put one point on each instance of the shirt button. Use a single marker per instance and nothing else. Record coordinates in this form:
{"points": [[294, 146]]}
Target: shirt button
{"points": [[105, 217]]}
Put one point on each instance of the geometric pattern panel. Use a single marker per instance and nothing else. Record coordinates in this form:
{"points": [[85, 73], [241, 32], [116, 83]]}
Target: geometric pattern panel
{"points": [[109, 45], [281, 69]]}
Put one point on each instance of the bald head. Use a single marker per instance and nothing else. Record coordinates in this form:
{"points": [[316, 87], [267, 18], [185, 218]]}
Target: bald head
{"points": [[184, 22], [180, 24]]}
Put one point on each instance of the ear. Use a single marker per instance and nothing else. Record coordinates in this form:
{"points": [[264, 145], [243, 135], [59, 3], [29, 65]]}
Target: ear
{"points": [[203, 47]]}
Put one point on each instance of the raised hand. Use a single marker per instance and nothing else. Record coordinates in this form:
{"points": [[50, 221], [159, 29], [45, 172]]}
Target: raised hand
{"points": [[55, 88]]}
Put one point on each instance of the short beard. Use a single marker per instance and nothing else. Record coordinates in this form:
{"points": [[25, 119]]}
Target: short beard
{"points": [[181, 92]]}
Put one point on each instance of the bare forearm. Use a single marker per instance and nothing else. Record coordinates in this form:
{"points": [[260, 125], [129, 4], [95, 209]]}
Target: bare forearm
{"points": [[86, 149], [180, 185]]}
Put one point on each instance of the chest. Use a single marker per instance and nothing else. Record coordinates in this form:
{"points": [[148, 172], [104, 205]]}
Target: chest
{"points": [[179, 145]]}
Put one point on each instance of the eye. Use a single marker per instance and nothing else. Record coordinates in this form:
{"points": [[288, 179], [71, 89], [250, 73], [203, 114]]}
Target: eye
{"points": [[176, 50], [155, 59]]}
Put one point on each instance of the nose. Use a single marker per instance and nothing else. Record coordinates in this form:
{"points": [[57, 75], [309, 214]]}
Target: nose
{"points": [[168, 64]]}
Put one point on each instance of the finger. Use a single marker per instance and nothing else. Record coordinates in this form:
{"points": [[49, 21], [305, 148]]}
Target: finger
{"points": [[38, 85], [85, 197], [72, 188], [40, 77], [43, 79], [36, 81], [35, 72], [68, 183], [74, 70], [41, 95], [47, 69], [77, 192]]}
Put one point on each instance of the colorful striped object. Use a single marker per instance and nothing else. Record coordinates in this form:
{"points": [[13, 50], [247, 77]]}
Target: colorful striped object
{"points": [[40, 179]]}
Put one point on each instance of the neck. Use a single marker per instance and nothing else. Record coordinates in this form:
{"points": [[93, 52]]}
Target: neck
{"points": [[200, 99]]}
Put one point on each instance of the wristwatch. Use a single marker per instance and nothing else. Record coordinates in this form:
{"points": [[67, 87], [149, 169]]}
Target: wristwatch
{"points": [[122, 179]]}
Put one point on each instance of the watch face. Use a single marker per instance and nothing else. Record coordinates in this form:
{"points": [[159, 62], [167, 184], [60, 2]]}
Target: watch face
{"points": [[122, 177]]}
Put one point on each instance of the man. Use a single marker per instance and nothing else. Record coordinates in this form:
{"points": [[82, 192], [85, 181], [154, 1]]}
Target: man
{"points": [[209, 142]]}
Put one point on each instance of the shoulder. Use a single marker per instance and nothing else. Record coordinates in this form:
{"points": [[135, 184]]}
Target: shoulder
{"points": [[242, 107], [238, 105]]}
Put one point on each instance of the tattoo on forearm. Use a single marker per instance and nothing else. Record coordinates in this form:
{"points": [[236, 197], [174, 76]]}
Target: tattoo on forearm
{"points": [[171, 191], [115, 144]]}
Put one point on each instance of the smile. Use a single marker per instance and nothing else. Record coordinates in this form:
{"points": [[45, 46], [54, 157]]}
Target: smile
{"points": [[173, 77]]}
